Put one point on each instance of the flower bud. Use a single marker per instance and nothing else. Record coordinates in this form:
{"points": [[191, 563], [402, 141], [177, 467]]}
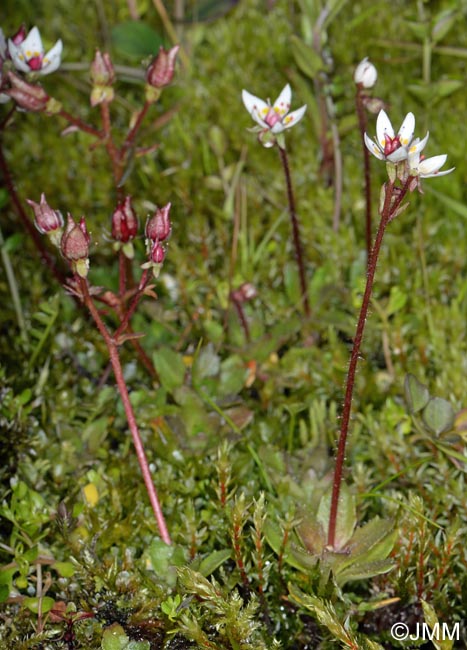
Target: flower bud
{"points": [[102, 77], [158, 227], [157, 253], [161, 71], [20, 35], [47, 221], [102, 70], [75, 245], [124, 222], [365, 74], [30, 97]]}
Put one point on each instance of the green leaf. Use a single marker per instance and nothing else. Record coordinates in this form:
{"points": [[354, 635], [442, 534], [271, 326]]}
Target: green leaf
{"points": [[439, 415], [213, 561], [65, 569], [397, 300], [33, 603], [170, 368], [416, 393], [443, 24], [309, 62], [135, 39], [206, 364], [114, 638]]}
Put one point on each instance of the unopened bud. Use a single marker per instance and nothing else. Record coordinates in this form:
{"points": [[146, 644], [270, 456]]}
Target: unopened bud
{"points": [[20, 35], [75, 245], [30, 97], [157, 254], [124, 222], [47, 221], [102, 70], [102, 77], [365, 74], [158, 227], [373, 104], [161, 71]]}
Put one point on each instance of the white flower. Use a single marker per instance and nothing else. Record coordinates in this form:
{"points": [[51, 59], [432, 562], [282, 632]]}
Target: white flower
{"points": [[425, 167], [387, 145], [28, 56], [275, 118], [365, 74]]}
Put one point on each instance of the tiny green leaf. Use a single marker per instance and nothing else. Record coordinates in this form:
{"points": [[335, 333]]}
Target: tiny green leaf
{"points": [[416, 393], [136, 39], [439, 415], [170, 368]]}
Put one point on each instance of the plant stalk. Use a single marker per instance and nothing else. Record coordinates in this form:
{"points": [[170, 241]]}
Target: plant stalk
{"points": [[112, 348], [362, 123], [295, 231], [391, 204]]}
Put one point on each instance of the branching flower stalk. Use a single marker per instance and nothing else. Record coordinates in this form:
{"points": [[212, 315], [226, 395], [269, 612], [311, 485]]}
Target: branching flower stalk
{"points": [[406, 167]]}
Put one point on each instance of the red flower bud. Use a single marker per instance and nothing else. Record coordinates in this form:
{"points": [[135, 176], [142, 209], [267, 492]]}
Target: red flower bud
{"points": [[161, 71], [124, 222], [157, 254], [158, 227], [20, 35], [75, 240], [46, 220], [102, 70], [31, 97]]}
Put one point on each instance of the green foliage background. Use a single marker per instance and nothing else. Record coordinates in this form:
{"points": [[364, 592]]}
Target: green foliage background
{"points": [[62, 425]]}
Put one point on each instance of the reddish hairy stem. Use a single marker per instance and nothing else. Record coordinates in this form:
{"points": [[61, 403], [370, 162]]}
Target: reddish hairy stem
{"points": [[114, 153], [82, 126], [387, 213], [366, 168], [295, 231], [27, 223], [118, 372]]}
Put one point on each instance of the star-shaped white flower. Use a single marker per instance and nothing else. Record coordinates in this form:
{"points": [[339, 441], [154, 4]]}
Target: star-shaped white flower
{"points": [[275, 118], [28, 56], [387, 145], [425, 167]]}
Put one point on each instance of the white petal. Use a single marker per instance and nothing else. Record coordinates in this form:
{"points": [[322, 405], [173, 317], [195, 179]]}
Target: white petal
{"points": [[407, 129], [282, 103], [32, 44], [383, 128], [437, 174], [52, 59], [432, 165], [292, 118], [418, 145], [373, 147], [4, 98], [256, 107], [398, 155], [17, 57]]}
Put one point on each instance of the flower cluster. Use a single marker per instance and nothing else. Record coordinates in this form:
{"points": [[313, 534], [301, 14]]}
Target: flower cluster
{"points": [[403, 147], [272, 120]]}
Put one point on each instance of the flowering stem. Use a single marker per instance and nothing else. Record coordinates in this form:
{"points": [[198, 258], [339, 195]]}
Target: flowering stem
{"points": [[392, 202], [295, 231], [112, 348], [366, 167], [134, 130], [112, 150]]}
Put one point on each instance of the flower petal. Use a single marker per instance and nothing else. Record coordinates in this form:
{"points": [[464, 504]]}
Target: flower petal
{"points": [[52, 59], [398, 155], [407, 129], [383, 128], [418, 145], [282, 103], [292, 118], [256, 107], [431, 166], [32, 44], [17, 57], [373, 147]]}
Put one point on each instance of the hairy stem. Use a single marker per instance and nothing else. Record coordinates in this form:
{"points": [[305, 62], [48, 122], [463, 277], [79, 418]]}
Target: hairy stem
{"points": [[123, 390], [295, 231], [392, 202], [362, 123]]}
